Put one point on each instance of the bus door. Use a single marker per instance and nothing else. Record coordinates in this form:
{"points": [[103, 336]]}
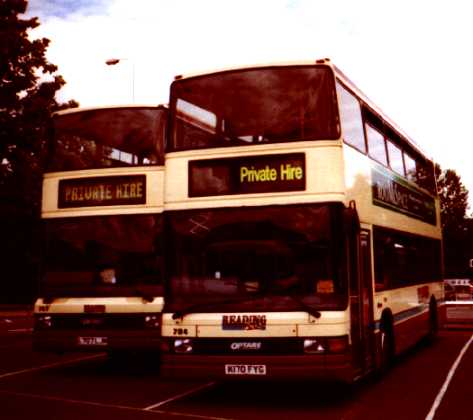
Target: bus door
{"points": [[361, 303]]}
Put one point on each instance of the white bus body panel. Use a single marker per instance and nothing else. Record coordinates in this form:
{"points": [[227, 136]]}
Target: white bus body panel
{"points": [[278, 324], [325, 183], [112, 305]]}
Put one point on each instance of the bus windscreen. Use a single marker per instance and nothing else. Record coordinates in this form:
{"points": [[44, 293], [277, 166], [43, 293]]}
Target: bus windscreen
{"points": [[107, 137], [251, 106], [103, 256], [276, 256]]}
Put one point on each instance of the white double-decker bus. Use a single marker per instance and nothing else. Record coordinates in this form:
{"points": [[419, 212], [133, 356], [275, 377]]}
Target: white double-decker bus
{"points": [[303, 228], [102, 205]]}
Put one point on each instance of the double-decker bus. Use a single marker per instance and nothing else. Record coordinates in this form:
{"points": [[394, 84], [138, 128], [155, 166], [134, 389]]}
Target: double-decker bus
{"points": [[303, 228], [101, 287]]}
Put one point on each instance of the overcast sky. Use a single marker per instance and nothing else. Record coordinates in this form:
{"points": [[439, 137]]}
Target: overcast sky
{"points": [[413, 58]]}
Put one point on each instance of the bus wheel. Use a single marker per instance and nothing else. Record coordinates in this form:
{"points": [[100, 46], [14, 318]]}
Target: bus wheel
{"points": [[385, 348], [433, 321]]}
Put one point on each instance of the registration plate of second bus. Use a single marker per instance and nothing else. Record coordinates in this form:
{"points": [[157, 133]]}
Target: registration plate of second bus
{"points": [[245, 369], [92, 341]]}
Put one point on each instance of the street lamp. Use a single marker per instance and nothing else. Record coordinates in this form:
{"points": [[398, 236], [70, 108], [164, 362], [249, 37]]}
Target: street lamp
{"points": [[114, 61]]}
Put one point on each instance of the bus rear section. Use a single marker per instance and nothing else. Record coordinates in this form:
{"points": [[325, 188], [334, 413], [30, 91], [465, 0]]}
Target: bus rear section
{"points": [[101, 287]]}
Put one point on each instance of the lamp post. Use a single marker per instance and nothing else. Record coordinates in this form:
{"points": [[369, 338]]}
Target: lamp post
{"points": [[114, 61]]}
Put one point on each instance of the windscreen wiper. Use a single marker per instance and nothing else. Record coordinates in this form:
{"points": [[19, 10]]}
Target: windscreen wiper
{"points": [[147, 297], [305, 307]]}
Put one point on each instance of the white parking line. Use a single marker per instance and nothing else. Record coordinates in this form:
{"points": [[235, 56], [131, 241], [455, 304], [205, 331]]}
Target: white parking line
{"points": [[21, 330], [51, 365], [179, 396], [444, 388], [105, 405]]}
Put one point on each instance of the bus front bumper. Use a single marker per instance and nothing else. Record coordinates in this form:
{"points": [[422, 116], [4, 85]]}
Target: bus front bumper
{"points": [[324, 367]]}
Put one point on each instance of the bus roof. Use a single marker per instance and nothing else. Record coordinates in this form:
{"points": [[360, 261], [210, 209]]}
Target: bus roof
{"points": [[96, 108]]}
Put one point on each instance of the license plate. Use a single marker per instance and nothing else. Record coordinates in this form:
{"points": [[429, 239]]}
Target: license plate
{"points": [[92, 341], [245, 369]]}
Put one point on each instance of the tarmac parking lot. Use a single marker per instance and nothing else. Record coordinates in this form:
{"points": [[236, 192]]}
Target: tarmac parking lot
{"points": [[89, 386]]}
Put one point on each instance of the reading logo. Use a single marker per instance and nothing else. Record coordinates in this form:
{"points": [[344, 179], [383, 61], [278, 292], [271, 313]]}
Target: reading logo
{"points": [[244, 322]]}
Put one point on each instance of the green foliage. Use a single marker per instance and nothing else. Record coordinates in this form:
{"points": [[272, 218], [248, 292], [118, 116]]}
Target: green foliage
{"points": [[457, 227], [453, 199], [28, 85], [27, 99]]}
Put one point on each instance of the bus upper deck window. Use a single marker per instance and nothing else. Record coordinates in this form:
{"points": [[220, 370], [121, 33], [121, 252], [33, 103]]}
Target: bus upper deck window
{"points": [[350, 116], [376, 145], [410, 165], [395, 158]]}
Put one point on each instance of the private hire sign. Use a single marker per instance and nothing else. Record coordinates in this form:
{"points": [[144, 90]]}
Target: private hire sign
{"points": [[102, 191], [247, 175], [286, 172]]}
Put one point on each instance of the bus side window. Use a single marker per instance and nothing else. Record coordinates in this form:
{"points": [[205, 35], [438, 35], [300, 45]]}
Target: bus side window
{"points": [[381, 263], [350, 114], [376, 145]]}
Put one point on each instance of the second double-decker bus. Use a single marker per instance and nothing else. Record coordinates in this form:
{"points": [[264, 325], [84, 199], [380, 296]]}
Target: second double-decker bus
{"points": [[303, 228], [102, 204]]}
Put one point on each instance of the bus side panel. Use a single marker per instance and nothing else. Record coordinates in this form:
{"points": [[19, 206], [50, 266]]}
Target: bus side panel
{"points": [[359, 184], [409, 331]]}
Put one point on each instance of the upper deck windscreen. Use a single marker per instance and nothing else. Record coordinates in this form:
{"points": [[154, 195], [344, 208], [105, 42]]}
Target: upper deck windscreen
{"points": [[108, 137], [251, 106]]}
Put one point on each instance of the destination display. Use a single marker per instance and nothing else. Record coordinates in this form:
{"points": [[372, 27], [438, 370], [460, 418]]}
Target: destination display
{"points": [[247, 175], [102, 191], [394, 193]]}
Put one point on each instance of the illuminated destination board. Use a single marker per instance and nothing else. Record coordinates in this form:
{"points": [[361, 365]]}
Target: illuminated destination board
{"points": [[247, 175], [102, 191]]}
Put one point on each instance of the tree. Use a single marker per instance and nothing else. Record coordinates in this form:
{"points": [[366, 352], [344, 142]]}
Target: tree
{"points": [[456, 226], [453, 199], [28, 85]]}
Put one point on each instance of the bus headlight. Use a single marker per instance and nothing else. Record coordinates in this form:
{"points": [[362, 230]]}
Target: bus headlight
{"points": [[43, 322], [183, 345], [313, 346], [327, 345], [152, 321]]}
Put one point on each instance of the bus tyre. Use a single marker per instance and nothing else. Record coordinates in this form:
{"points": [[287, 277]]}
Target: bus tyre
{"points": [[385, 349], [433, 321]]}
